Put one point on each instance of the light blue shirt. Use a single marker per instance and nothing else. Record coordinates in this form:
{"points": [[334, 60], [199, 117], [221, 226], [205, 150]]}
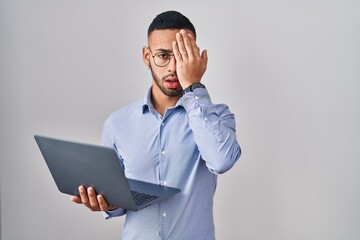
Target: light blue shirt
{"points": [[186, 148]]}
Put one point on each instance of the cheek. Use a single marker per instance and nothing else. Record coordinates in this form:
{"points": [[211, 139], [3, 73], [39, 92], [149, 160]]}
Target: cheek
{"points": [[156, 74], [159, 73]]}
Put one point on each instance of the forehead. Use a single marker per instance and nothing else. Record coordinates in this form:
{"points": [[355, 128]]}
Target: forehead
{"points": [[162, 39]]}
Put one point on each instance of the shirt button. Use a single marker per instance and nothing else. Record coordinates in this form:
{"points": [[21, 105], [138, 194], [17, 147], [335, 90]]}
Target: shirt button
{"points": [[205, 119], [164, 183], [196, 98], [163, 152], [164, 214], [162, 124]]}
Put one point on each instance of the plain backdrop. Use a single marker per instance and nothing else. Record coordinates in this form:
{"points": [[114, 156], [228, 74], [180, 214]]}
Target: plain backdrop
{"points": [[289, 71]]}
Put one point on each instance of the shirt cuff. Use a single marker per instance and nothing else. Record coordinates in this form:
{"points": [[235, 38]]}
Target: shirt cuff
{"points": [[114, 213], [198, 97]]}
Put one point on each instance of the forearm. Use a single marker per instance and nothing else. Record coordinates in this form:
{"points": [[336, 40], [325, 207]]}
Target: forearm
{"points": [[214, 130]]}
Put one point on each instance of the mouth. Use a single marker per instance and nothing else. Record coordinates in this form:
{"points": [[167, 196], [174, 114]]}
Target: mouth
{"points": [[172, 83]]}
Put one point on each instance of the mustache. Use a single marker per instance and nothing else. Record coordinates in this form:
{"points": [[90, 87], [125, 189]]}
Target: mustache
{"points": [[170, 75]]}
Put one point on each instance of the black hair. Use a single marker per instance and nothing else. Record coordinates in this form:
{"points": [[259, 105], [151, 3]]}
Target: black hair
{"points": [[171, 20]]}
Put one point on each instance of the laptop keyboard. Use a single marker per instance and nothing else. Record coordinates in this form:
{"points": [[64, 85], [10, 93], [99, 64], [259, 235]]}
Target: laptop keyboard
{"points": [[142, 198]]}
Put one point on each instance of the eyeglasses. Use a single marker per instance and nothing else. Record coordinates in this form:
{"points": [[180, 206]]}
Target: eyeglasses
{"points": [[161, 59]]}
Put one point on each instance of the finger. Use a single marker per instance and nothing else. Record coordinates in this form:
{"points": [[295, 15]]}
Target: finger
{"points": [[187, 43], [102, 203], [181, 45], [92, 198], [176, 51], [196, 49], [83, 196], [204, 56], [76, 199]]}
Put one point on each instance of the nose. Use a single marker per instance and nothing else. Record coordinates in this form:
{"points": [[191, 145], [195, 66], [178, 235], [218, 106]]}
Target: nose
{"points": [[172, 64]]}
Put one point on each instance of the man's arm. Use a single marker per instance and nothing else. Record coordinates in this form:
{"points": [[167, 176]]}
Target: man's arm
{"points": [[213, 125], [214, 130]]}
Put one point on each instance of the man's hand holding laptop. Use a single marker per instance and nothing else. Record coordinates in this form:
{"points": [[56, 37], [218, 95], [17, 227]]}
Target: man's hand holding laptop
{"points": [[90, 199]]}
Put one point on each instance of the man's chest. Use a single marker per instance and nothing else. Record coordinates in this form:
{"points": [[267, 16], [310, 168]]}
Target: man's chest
{"points": [[158, 148]]}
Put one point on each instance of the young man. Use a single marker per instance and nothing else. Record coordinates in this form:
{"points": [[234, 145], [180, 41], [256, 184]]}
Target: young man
{"points": [[175, 136]]}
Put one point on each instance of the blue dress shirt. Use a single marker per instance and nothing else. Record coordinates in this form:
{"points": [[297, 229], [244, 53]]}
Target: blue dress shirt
{"points": [[186, 148]]}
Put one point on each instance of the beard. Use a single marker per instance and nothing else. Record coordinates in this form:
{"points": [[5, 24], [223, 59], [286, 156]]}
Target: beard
{"points": [[160, 82]]}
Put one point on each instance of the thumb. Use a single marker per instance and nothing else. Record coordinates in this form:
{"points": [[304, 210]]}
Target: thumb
{"points": [[204, 57], [75, 199]]}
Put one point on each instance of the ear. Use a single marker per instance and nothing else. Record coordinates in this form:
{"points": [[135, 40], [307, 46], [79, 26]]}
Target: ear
{"points": [[146, 56]]}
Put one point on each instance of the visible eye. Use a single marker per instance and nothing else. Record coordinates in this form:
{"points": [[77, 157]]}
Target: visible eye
{"points": [[162, 55]]}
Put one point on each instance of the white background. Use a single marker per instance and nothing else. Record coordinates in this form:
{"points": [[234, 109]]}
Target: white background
{"points": [[289, 70]]}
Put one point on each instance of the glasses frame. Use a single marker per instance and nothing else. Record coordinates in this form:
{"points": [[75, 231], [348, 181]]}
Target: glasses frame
{"points": [[153, 56]]}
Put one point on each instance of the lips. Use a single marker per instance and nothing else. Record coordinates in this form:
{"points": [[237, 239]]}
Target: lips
{"points": [[172, 83]]}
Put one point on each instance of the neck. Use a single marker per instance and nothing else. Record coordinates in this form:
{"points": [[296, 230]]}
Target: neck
{"points": [[162, 102]]}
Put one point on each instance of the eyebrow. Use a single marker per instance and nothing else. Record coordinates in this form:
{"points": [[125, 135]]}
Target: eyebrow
{"points": [[163, 50]]}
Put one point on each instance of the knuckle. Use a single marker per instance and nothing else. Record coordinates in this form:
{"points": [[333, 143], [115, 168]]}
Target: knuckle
{"points": [[84, 200], [94, 203]]}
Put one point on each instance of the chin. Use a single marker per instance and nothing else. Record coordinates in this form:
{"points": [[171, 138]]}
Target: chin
{"points": [[172, 93]]}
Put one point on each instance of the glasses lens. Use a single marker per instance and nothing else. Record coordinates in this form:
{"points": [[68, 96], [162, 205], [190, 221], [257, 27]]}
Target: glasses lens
{"points": [[161, 59]]}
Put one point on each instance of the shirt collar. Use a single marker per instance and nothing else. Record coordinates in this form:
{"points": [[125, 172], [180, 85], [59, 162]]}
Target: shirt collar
{"points": [[147, 105]]}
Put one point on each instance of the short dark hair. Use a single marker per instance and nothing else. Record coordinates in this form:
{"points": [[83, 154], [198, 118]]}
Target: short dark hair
{"points": [[171, 20]]}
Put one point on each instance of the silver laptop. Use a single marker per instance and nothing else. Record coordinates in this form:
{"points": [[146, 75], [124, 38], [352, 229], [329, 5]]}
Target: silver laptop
{"points": [[73, 164]]}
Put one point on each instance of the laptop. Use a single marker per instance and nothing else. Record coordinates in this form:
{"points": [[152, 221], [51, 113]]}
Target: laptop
{"points": [[73, 164]]}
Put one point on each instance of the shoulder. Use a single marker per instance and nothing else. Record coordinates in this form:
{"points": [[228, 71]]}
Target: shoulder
{"points": [[125, 112], [120, 122]]}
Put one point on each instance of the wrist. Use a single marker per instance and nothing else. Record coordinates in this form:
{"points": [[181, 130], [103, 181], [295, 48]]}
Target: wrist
{"points": [[192, 87], [186, 85]]}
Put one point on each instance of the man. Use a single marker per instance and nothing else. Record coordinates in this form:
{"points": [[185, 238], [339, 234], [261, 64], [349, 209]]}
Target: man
{"points": [[175, 136]]}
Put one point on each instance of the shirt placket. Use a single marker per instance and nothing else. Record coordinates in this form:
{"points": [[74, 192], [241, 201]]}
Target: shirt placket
{"points": [[163, 162]]}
